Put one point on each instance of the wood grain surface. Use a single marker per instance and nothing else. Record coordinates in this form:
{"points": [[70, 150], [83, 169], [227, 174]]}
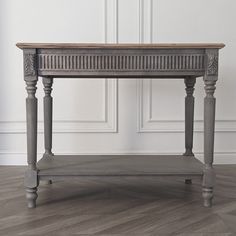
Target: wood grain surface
{"points": [[121, 46]]}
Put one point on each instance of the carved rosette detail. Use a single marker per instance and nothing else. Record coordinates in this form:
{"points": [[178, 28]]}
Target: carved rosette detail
{"points": [[30, 64], [212, 64]]}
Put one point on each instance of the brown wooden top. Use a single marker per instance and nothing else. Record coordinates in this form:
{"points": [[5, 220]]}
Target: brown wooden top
{"points": [[121, 46]]}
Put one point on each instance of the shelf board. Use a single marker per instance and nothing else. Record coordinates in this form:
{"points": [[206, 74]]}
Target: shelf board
{"points": [[119, 165]]}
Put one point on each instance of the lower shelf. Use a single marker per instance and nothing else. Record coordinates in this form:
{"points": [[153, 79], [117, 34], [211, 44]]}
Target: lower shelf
{"points": [[119, 165]]}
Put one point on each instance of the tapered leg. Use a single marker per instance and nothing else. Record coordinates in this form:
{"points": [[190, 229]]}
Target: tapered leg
{"points": [[48, 104], [47, 82], [189, 115], [31, 175], [188, 181], [189, 118], [210, 79], [31, 78], [209, 126]]}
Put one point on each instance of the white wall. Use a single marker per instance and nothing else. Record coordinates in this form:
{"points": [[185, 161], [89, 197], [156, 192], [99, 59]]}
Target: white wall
{"points": [[110, 116]]}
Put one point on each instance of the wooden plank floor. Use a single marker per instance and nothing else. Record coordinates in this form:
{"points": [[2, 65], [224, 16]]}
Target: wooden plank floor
{"points": [[118, 206]]}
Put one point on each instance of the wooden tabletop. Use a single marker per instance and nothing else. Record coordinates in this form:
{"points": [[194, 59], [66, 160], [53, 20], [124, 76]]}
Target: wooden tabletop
{"points": [[121, 46]]}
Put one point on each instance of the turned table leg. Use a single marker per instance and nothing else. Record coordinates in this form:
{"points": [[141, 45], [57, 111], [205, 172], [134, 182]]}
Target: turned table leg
{"points": [[31, 175], [209, 126], [48, 103], [31, 78], [189, 115], [210, 79], [189, 118]]}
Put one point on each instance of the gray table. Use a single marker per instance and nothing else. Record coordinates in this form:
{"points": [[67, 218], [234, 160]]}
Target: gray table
{"points": [[164, 61]]}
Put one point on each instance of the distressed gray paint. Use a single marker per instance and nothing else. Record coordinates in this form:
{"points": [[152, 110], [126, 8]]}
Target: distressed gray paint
{"points": [[210, 79], [189, 118], [30, 76], [189, 115], [48, 110], [131, 63], [48, 103], [125, 62]]}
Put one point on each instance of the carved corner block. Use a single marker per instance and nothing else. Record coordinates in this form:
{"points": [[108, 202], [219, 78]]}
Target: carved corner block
{"points": [[30, 65], [212, 63]]}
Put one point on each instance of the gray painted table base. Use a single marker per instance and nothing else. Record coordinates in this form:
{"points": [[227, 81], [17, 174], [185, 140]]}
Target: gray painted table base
{"points": [[186, 61]]}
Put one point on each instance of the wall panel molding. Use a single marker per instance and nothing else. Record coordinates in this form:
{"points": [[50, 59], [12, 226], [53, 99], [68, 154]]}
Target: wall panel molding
{"points": [[109, 121], [107, 124], [111, 21], [146, 123], [101, 124], [145, 21]]}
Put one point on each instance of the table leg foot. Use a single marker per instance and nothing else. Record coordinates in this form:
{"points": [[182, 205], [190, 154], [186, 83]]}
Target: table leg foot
{"points": [[188, 181], [46, 182], [207, 194], [188, 152], [31, 196]]}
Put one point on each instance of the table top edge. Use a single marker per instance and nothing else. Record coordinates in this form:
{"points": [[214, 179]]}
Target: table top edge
{"points": [[120, 45]]}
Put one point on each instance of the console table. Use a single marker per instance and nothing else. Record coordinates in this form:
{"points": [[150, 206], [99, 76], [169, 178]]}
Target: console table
{"points": [[157, 61]]}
